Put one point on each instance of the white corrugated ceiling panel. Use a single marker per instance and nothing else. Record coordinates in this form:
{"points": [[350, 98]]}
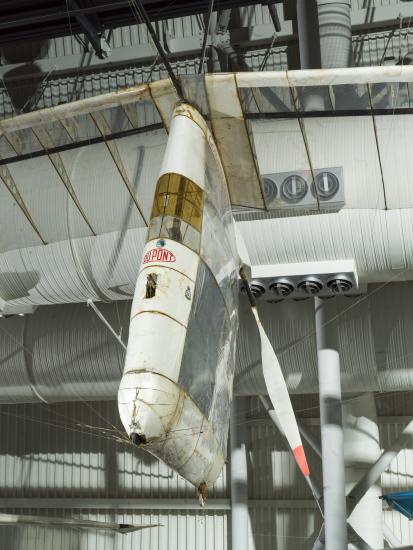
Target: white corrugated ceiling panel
{"points": [[16, 230], [395, 135], [358, 234], [100, 188], [348, 142], [279, 146], [48, 200]]}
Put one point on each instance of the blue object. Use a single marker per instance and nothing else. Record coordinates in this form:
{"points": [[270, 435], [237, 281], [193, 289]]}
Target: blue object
{"points": [[401, 502]]}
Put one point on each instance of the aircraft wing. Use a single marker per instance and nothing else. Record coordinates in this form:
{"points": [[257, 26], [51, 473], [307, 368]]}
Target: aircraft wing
{"points": [[62, 158]]}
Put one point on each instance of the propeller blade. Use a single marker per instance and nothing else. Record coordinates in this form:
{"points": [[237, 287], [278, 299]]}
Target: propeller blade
{"points": [[14, 519], [277, 390]]}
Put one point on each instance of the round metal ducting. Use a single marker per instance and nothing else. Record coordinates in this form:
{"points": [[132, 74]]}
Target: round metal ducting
{"points": [[281, 288], [269, 189], [311, 287], [294, 188], [339, 285], [327, 185]]}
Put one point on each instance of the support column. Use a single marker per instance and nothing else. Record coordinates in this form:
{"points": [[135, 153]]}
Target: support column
{"points": [[239, 476], [308, 36], [332, 444], [309, 47]]}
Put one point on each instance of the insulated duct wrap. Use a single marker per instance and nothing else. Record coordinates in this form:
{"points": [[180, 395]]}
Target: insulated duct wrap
{"points": [[64, 353], [334, 24], [106, 267]]}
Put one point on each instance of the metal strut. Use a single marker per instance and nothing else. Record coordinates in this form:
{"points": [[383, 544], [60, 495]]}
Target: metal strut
{"points": [[205, 40], [144, 16], [91, 304]]}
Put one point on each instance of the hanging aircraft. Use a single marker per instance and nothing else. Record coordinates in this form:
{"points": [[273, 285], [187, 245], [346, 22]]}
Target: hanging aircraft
{"points": [[175, 394]]}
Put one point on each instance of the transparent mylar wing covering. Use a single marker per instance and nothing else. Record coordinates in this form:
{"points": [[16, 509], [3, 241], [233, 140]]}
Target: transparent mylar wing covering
{"points": [[202, 221], [208, 360]]}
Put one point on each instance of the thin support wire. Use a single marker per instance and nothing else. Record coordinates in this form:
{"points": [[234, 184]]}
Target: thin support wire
{"points": [[205, 40]]}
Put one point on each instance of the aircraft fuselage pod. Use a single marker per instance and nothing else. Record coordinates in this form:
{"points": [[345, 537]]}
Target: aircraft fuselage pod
{"points": [[176, 390]]}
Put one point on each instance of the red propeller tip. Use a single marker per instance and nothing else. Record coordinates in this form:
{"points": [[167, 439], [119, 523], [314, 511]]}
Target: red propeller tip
{"points": [[301, 460]]}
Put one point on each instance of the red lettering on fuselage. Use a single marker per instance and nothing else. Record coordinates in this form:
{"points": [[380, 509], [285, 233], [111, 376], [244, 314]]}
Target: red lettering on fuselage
{"points": [[159, 255]]}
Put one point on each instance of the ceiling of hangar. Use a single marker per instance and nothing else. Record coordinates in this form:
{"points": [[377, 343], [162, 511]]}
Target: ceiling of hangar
{"points": [[21, 21]]}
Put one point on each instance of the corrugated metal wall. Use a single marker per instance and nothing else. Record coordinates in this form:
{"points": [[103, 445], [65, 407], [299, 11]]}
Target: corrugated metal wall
{"points": [[72, 450], [192, 530], [69, 451]]}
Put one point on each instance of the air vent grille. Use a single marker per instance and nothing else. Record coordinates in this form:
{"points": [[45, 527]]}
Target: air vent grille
{"points": [[294, 188], [269, 189], [339, 285], [327, 185], [301, 190], [281, 288], [311, 287], [304, 280]]}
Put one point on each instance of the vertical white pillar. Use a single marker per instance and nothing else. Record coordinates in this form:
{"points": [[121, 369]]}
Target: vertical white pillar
{"points": [[332, 445], [239, 476]]}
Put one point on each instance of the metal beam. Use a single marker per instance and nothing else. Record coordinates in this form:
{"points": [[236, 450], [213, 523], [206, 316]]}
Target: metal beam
{"points": [[147, 503], [390, 537], [92, 28], [355, 540], [144, 16], [100, 315], [244, 37], [380, 466], [381, 17], [205, 39], [82, 143]]}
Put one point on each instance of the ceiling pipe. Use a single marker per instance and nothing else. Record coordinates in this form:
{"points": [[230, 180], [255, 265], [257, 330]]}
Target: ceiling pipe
{"points": [[334, 23]]}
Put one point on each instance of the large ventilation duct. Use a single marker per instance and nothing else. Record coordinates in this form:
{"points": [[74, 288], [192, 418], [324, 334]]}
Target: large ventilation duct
{"points": [[334, 23], [65, 353], [105, 267]]}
